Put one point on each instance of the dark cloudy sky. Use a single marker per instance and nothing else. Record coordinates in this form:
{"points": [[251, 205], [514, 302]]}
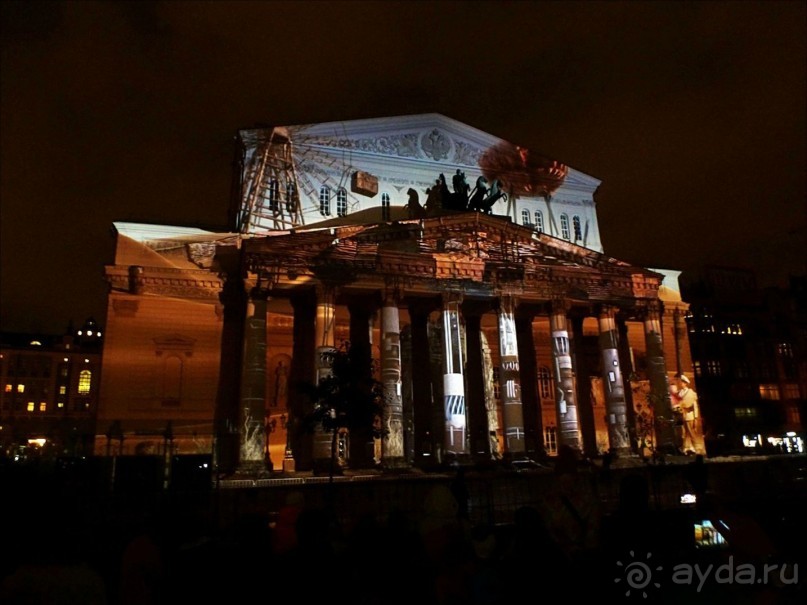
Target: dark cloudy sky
{"points": [[691, 113]]}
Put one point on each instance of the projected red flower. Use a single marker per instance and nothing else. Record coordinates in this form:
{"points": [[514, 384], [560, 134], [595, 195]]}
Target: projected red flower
{"points": [[522, 172]]}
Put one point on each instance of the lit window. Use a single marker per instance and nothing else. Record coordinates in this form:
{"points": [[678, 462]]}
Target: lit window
{"points": [[784, 349], [325, 201], [713, 368], [30, 406], [62, 390], [525, 217], [84, 380], [551, 440], [36, 343], [274, 195], [43, 406], [20, 388], [9, 388], [539, 221], [544, 382], [60, 404], [696, 367], [793, 414], [734, 329], [791, 390], [341, 202], [769, 391], [745, 412], [291, 198], [578, 230], [564, 226], [385, 210]]}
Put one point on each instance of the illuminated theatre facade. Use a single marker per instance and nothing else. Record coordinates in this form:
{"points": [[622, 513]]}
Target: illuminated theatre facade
{"points": [[470, 270]]}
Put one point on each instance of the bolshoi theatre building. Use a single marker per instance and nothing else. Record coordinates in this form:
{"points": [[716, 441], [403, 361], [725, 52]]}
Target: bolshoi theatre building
{"points": [[469, 269]]}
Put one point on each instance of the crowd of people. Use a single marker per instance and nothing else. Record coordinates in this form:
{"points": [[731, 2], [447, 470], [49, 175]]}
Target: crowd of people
{"points": [[438, 555]]}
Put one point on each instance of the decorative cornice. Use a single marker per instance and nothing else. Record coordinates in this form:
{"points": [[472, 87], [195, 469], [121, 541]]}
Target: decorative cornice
{"points": [[183, 283]]}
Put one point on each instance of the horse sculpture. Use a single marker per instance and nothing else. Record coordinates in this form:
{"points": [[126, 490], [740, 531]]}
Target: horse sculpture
{"points": [[494, 195], [439, 197], [413, 205], [478, 194]]}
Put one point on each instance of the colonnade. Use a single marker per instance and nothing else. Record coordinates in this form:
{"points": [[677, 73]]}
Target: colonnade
{"points": [[415, 426]]}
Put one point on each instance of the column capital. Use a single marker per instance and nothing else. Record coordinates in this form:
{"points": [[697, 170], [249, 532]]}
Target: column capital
{"points": [[561, 305], [608, 310], [651, 310], [452, 296], [325, 291], [507, 301]]}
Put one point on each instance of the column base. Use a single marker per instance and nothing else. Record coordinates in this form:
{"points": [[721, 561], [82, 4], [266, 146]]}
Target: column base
{"points": [[254, 469], [289, 465], [398, 463]]}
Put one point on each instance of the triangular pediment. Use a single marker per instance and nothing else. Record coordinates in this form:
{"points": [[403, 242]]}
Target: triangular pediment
{"points": [[431, 137], [428, 137]]}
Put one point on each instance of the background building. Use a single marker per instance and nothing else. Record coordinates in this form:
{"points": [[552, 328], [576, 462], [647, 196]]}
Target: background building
{"points": [[749, 349], [50, 387]]}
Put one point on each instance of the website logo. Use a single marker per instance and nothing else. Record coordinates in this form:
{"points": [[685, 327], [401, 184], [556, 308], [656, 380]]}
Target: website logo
{"points": [[640, 575]]}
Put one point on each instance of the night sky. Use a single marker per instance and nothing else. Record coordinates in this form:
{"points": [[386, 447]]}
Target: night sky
{"points": [[691, 114]]}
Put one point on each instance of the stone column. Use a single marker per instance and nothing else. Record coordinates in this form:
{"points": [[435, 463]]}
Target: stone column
{"points": [[568, 424], [509, 380], [614, 388], [476, 412], [392, 444], [252, 457], [453, 380], [303, 370], [324, 345], [424, 436], [626, 363], [233, 299], [361, 321], [530, 402], [659, 382], [585, 355]]}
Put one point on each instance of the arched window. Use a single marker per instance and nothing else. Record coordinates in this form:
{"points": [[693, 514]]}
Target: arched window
{"points": [[291, 198], [539, 221], [341, 202], [274, 195], [325, 201], [385, 210], [564, 226], [544, 382], [525, 217], [84, 382], [578, 231]]}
